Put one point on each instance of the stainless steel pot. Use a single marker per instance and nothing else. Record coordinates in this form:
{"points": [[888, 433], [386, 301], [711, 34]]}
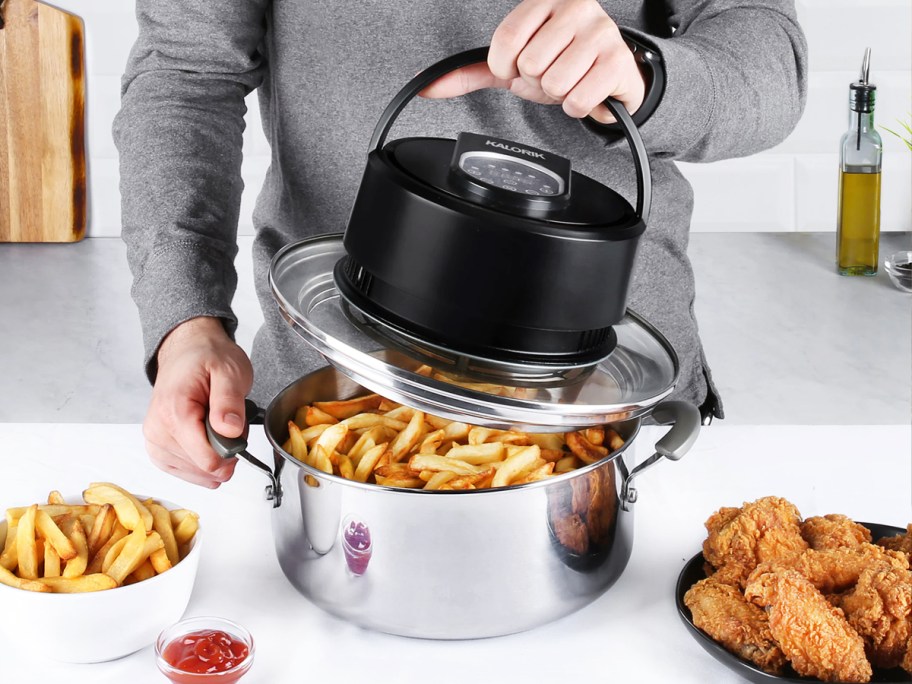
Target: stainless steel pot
{"points": [[453, 564]]}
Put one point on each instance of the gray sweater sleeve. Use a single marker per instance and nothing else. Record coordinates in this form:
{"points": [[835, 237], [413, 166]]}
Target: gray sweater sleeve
{"points": [[179, 134], [736, 79]]}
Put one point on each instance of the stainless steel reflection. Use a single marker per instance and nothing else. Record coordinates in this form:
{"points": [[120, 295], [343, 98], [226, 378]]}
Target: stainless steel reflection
{"points": [[448, 565]]}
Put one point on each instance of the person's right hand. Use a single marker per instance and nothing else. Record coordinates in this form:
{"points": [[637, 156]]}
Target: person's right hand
{"points": [[567, 52], [199, 368]]}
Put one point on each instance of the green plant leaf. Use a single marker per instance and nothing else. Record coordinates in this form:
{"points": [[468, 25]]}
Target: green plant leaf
{"points": [[907, 126]]}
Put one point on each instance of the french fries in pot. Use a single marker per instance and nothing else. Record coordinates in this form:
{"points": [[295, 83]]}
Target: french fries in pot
{"points": [[373, 440]]}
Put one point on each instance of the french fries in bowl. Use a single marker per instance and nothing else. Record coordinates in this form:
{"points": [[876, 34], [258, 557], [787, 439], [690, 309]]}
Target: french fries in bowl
{"points": [[95, 577]]}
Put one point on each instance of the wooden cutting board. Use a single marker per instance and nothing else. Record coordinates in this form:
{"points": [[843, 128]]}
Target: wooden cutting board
{"points": [[42, 124]]}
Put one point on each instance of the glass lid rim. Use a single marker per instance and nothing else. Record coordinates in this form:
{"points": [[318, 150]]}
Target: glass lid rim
{"points": [[434, 392]]}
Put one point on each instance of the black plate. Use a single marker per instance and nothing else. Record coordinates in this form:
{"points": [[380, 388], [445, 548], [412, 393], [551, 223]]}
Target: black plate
{"points": [[693, 573]]}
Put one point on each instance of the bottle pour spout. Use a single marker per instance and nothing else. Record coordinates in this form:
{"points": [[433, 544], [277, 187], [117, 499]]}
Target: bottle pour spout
{"points": [[865, 67]]}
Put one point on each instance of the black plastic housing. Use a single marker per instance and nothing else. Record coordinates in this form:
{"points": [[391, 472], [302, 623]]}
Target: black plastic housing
{"points": [[481, 276]]}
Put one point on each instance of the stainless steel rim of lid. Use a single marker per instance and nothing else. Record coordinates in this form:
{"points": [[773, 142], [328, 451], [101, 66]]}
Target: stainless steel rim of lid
{"points": [[640, 372]]}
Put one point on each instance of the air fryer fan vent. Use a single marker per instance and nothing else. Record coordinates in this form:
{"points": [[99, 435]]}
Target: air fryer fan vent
{"points": [[593, 339], [357, 275]]}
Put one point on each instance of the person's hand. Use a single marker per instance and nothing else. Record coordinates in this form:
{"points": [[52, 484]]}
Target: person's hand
{"points": [[199, 368], [567, 52]]}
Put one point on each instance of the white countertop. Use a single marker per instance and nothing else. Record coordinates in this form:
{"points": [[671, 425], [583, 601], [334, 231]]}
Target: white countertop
{"points": [[631, 634], [789, 341]]}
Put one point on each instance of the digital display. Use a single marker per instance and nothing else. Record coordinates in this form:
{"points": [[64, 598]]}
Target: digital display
{"points": [[509, 173]]}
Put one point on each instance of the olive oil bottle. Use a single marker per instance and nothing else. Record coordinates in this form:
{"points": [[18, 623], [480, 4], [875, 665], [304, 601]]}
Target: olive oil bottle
{"points": [[860, 160]]}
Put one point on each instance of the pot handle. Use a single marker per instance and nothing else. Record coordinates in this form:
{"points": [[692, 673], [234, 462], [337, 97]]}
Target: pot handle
{"points": [[462, 59], [232, 447], [684, 419]]}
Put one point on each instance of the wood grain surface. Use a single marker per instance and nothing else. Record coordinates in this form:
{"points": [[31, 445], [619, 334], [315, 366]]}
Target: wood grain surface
{"points": [[42, 124]]}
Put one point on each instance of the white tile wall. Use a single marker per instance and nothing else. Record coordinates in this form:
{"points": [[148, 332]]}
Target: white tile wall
{"points": [[789, 188], [751, 194], [838, 31]]}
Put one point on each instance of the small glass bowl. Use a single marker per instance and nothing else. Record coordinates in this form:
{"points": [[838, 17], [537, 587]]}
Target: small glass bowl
{"points": [[899, 267], [197, 624]]}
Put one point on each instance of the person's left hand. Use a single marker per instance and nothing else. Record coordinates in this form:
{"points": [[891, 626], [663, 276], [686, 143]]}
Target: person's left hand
{"points": [[567, 52]]}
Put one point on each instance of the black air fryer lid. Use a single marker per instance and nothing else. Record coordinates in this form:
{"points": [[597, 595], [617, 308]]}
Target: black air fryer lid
{"points": [[489, 247], [483, 280]]}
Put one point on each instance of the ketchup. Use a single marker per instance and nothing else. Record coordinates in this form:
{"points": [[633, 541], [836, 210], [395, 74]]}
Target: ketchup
{"points": [[207, 651]]}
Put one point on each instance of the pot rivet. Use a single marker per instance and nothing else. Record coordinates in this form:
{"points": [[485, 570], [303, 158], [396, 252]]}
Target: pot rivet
{"points": [[270, 493], [631, 495]]}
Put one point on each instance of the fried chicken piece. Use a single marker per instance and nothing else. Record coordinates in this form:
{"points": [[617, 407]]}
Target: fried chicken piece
{"points": [[720, 519], [815, 636], [765, 530], [720, 610], [907, 660], [879, 608], [901, 543], [836, 570], [727, 574], [833, 531]]}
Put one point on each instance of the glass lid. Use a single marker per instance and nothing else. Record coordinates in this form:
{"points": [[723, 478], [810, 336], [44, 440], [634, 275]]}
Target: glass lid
{"points": [[640, 371]]}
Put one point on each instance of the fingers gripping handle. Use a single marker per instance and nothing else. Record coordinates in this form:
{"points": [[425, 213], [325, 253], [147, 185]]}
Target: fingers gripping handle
{"points": [[463, 59], [229, 447], [232, 447], [685, 421]]}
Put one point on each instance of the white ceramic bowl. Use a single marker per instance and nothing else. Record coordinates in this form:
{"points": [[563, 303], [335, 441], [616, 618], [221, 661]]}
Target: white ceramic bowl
{"points": [[101, 625]]}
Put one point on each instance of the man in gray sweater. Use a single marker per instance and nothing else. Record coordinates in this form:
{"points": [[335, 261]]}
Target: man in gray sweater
{"points": [[735, 84]]}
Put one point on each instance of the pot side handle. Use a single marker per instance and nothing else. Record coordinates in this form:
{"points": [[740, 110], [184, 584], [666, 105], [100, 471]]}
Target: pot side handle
{"points": [[684, 419], [232, 447]]}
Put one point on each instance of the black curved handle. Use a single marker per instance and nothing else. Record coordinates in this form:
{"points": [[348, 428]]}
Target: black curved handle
{"points": [[463, 59], [419, 83], [232, 447]]}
